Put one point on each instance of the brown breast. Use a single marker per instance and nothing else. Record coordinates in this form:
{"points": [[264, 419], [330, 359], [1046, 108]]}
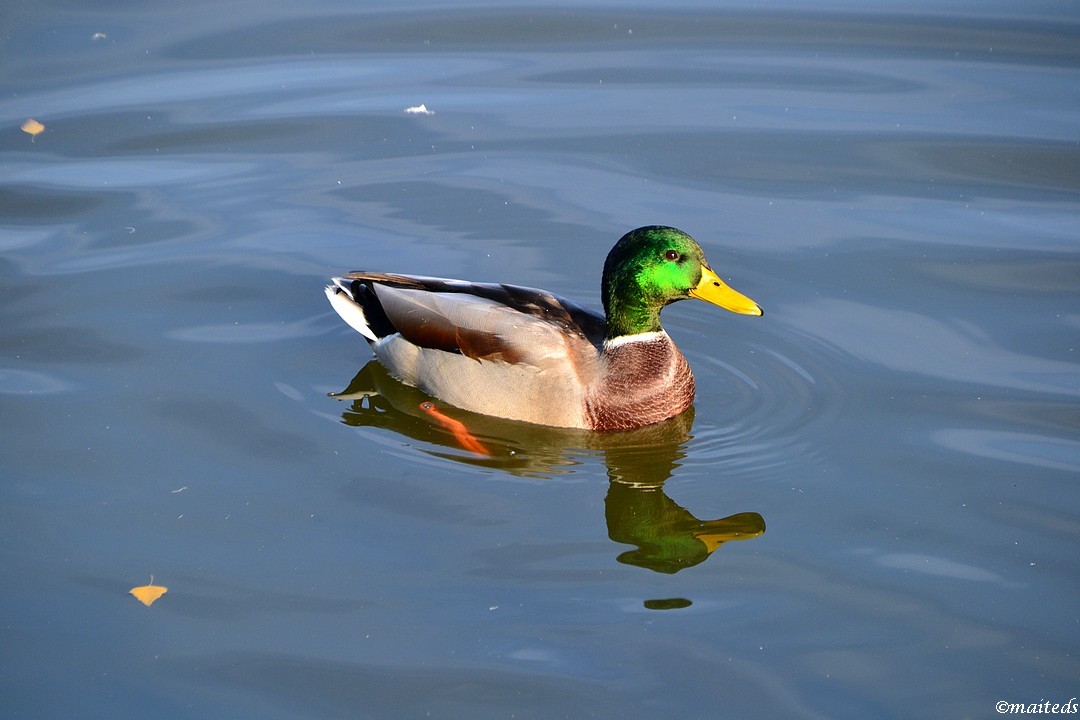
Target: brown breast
{"points": [[643, 382]]}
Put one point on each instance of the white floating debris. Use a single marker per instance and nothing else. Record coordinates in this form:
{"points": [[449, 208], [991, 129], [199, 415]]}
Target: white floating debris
{"points": [[420, 109]]}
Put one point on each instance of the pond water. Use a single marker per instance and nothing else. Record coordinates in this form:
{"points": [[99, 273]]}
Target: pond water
{"points": [[871, 512]]}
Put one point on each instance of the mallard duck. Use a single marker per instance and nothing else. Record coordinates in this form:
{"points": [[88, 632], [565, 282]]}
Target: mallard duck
{"points": [[525, 354]]}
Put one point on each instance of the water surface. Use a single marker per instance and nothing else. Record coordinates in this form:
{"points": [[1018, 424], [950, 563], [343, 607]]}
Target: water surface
{"points": [[871, 511]]}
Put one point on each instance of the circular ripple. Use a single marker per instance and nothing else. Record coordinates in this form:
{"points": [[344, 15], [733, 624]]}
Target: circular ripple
{"points": [[765, 404]]}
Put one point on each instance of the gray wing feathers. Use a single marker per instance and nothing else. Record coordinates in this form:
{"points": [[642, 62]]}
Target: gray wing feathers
{"points": [[476, 327]]}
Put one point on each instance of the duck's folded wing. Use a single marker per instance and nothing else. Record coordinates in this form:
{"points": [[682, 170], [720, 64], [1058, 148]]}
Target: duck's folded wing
{"points": [[476, 327], [493, 322]]}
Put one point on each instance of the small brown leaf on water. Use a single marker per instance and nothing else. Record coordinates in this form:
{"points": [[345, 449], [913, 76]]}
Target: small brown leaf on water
{"points": [[147, 594], [33, 127]]}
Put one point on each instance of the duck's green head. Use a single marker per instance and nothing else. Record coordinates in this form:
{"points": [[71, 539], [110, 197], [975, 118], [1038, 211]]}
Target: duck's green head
{"points": [[653, 266]]}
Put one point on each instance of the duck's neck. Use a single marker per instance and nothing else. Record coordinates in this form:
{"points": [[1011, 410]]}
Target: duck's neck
{"points": [[627, 318]]}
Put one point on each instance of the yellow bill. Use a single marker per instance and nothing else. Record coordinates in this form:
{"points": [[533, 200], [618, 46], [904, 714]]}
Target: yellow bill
{"points": [[713, 289]]}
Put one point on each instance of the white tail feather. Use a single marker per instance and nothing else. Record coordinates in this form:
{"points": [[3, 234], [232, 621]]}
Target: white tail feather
{"points": [[348, 309]]}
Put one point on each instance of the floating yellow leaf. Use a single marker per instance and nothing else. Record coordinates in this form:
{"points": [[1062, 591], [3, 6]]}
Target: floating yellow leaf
{"points": [[147, 594], [33, 127]]}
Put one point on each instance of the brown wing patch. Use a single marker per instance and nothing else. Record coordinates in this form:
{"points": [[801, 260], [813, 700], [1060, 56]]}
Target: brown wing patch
{"points": [[487, 346], [420, 331], [417, 317]]}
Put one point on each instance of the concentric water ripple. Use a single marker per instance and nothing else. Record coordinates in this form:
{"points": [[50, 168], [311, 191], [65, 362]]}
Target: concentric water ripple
{"points": [[776, 396]]}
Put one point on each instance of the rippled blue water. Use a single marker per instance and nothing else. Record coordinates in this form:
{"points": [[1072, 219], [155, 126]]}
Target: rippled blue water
{"points": [[872, 512]]}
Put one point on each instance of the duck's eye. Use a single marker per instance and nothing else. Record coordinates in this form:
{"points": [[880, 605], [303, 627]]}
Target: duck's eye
{"points": [[671, 255]]}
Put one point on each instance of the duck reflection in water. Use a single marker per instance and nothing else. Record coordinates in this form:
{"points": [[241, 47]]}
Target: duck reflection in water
{"points": [[668, 537]]}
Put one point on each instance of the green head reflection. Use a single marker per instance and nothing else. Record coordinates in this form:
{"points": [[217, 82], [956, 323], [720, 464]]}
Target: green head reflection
{"points": [[668, 537]]}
